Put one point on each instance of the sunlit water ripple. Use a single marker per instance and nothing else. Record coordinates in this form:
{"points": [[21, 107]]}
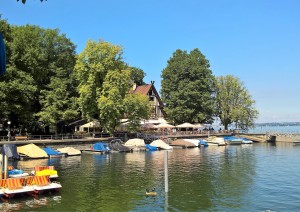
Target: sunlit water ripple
{"points": [[256, 177]]}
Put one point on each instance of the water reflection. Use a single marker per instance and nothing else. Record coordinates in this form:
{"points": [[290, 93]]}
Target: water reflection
{"points": [[30, 203], [231, 178]]}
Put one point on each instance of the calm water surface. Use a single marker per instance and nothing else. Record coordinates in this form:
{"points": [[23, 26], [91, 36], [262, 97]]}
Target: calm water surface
{"points": [[256, 177]]}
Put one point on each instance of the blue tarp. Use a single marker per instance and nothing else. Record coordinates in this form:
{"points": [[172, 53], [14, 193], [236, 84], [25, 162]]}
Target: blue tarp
{"points": [[201, 142], [101, 147], [2, 55], [51, 151], [151, 148], [15, 171]]}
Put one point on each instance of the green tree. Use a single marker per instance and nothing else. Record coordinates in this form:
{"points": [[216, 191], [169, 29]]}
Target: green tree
{"points": [[137, 76], [116, 102], [35, 58], [188, 88], [137, 108], [111, 102], [59, 102], [92, 65], [234, 103]]}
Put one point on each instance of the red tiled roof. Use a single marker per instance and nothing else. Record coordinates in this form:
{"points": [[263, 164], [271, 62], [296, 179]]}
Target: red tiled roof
{"points": [[142, 89]]}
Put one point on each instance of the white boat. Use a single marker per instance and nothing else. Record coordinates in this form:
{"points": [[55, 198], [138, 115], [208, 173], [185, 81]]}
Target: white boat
{"points": [[196, 142], [246, 141], [213, 140], [161, 144], [136, 144], [69, 151]]}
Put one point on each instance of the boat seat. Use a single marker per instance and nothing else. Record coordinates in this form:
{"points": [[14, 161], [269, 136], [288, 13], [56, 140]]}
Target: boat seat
{"points": [[41, 168], [14, 183], [41, 180], [2, 183]]}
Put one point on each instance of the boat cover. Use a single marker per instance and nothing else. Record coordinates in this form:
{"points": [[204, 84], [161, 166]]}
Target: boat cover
{"points": [[161, 144], [183, 143], [51, 151], [203, 143], [32, 151], [69, 151], [15, 171], [101, 147], [10, 150], [151, 148], [193, 141], [117, 145], [135, 142]]}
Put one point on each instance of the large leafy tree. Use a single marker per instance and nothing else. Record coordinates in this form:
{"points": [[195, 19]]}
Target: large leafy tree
{"points": [[188, 88], [234, 103], [17, 88], [104, 83], [116, 102], [111, 102], [137, 75], [92, 65], [137, 108], [59, 102], [35, 58]]}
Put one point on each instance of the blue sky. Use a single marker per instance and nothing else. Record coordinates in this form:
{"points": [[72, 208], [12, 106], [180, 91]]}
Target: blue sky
{"points": [[255, 40]]}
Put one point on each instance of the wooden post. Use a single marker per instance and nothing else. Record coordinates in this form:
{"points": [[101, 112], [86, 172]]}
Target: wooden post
{"points": [[1, 166], [166, 172], [5, 166]]}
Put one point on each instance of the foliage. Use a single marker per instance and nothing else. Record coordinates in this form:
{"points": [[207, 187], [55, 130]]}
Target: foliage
{"points": [[234, 103], [188, 88], [58, 103], [137, 108], [39, 61], [92, 65], [137, 75], [111, 103]]}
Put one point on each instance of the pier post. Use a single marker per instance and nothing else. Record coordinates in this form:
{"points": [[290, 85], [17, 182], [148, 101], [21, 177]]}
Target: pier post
{"points": [[5, 166], [1, 165], [166, 172]]}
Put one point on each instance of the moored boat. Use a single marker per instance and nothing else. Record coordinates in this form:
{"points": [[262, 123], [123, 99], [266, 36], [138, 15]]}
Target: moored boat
{"points": [[150, 148], [69, 151], [98, 147], [117, 146], [213, 140], [31, 151], [231, 140], [10, 150], [203, 143], [136, 144], [193, 141], [161, 144], [182, 143], [246, 141], [52, 153]]}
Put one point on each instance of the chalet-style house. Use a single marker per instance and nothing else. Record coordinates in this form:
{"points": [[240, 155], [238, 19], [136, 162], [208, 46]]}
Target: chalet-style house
{"points": [[156, 103]]}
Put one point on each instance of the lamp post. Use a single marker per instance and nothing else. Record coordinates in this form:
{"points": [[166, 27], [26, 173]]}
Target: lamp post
{"points": [[8, 134]]}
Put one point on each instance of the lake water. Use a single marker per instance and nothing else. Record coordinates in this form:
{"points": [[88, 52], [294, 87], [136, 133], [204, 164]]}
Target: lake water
{"points": [[258, 177], [276, 129]]}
